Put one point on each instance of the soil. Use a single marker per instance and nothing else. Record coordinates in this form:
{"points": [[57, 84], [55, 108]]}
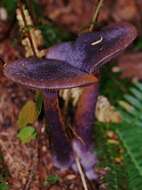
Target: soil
{"points": [[28, 165]]}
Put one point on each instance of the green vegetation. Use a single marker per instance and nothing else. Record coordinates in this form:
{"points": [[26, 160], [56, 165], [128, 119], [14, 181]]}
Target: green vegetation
{"points": [[4, 174], [51, 180], [26, 134], [127, 174], [54, 34]]}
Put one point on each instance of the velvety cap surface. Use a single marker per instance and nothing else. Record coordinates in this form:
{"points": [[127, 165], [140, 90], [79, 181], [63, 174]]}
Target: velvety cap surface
{"points": [[47, 74], [97, 48], [93, 49]]}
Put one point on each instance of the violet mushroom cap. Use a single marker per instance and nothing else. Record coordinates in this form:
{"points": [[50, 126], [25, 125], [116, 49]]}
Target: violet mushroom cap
{"points": [[89, 53], [91, 50], [48, 74]]}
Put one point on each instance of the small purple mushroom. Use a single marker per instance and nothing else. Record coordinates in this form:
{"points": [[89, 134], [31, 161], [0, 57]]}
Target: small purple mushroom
{"points": [[89, 53], [69, 65], [50, 76]]}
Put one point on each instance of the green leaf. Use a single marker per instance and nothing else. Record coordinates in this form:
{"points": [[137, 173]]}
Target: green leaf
{"points": [[112, 85], [39, 102], [54, 34], [10, 5], [138, 44], [130, 134], [35, 7], [27, 134], [107, 152], [51, 180], [28, 114], [4, 186]]}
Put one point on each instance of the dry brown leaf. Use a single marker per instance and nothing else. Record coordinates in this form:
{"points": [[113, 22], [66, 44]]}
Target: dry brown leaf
{"points": [[105, 112], [131, 65], [125, 10]]}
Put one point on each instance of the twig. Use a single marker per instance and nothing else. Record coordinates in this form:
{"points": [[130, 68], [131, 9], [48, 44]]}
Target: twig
{"points": [[74, 134], [81, 173], [33, 37], [33, 44], [37, 54], [41, 137], [27, 185], [95, 16]]}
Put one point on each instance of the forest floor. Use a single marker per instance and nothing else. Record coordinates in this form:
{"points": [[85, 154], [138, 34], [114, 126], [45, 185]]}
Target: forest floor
{"points": [[24, 166]]}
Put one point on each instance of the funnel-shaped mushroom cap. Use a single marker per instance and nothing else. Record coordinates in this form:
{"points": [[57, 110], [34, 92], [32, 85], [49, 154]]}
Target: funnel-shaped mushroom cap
{"points": [[91, 50], [46, 74]]}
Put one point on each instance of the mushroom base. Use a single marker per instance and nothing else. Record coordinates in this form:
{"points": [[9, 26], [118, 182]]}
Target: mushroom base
{"points": [[87, 159], [83, 122]]}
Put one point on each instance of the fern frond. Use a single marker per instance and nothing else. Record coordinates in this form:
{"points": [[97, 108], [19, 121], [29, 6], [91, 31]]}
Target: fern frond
{"points": [[128, 174], [130, 133]]}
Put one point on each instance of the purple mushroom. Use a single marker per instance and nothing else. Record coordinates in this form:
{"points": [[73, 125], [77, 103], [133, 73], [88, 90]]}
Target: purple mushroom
{"points": [[88, 53], [50, 76], [69, 65]]}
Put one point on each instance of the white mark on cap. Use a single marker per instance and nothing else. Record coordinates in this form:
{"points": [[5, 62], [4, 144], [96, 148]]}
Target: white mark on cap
{"points": [[97, 42]]}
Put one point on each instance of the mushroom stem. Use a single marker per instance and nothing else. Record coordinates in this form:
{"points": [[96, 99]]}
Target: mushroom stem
{"points": [[60, 144], [83, 123], [84, 115]]}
